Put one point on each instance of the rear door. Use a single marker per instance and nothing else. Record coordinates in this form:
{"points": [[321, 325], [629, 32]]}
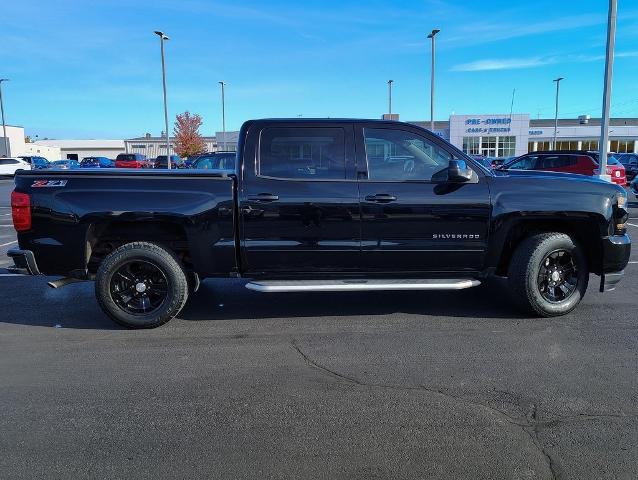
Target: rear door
{"points": [[412, 220], [299, 202]]}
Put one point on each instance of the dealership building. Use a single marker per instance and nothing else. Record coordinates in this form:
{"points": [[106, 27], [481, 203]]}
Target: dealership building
{"points": [[506, 135]]}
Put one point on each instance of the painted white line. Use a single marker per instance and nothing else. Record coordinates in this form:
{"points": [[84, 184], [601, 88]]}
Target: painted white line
{"points": [[6, 225], [12, 275], [633, 262], [632, 224], [8, 243]]}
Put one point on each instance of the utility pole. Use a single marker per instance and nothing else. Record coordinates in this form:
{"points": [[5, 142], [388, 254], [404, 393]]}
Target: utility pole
{"points": [[168, 143], [609, 66], [7, 148], [390, 82], [223, 84], [431, 36], [557, 80]]}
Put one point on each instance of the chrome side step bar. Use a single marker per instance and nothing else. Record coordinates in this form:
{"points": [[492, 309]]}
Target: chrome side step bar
{"points": [[277, 286]]}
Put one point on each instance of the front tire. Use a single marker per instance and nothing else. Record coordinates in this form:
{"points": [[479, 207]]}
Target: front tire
{"points": [[141, 285], [548, 274]]}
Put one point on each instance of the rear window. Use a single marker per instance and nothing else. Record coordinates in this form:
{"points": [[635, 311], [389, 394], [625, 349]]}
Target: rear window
{"points": [[303, 153], [130, 156], [524, 163], [8, 161]]}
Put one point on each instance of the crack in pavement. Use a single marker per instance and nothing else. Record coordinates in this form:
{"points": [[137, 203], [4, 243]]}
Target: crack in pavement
{"points": [[531, 426]]}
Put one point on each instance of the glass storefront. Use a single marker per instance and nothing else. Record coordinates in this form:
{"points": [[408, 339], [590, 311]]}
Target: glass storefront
{"points": [[622, 146], [490, 146]]}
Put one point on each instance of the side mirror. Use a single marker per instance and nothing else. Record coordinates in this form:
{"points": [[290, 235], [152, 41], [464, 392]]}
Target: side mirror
{"points": [[459, 172]]}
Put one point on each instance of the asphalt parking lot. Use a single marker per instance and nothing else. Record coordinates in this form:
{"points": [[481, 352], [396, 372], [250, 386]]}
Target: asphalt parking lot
{"points": [[352, 386]]}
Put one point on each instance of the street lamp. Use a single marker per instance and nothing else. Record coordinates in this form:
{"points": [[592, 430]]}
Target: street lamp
{"points": [[557, 80], [432, 35], [390, 82], [168, 144], [609, 66], [7, 150], [223, 84]]}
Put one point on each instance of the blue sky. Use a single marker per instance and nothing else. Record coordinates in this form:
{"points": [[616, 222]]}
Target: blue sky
{"points": [[85, 69]]}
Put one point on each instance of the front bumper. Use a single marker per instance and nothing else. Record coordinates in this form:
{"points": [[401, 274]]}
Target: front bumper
{"points": [[23, 262], [616, 252]]}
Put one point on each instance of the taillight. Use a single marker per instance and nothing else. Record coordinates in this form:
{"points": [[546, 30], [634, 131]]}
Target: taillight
{"points": [[21, 211]]}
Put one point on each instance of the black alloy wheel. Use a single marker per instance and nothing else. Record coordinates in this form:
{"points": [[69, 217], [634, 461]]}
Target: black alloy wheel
{"points": [[557, 276]]}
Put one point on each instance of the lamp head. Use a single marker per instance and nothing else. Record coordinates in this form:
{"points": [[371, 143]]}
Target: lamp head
{"points": [[434, 32], [161, 35]]}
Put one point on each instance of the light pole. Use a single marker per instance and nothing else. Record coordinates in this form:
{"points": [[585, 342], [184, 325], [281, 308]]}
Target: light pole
{"points": [[609, 66], [223, 84], [7, 150], [168, 143], [432, 35], [557, 80], [390, 82]]}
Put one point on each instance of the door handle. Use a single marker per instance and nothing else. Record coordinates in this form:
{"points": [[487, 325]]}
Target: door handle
{"points": [[381, 198], [263, 197]]}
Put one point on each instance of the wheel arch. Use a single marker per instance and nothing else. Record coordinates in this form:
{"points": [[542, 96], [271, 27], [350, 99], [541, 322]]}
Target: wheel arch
{"points": [[585, 229]]}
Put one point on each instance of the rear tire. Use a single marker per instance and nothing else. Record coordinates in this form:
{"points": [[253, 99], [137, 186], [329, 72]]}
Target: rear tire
{"points": [[548, 274], [141, 285]]}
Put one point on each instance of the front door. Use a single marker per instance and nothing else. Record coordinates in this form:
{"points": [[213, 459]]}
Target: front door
{"points": [[412, 219], [299, 203]]}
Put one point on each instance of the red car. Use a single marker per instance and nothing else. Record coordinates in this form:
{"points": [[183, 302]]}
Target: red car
{"points": [[132, 160], [568, 161]]}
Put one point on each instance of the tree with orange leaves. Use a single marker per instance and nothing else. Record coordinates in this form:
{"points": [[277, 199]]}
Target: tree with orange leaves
{"points": [[188, 140]]}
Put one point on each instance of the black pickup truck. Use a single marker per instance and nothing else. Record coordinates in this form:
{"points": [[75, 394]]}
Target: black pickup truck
{"points": [[321, 205]]}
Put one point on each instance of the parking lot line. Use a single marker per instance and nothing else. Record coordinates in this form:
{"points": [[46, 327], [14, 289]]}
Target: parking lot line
{"points": [[632, 224], [8, 243]]}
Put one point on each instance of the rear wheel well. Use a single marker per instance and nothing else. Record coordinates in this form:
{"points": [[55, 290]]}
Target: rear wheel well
{"points": [[584, 232], [102, 239]]}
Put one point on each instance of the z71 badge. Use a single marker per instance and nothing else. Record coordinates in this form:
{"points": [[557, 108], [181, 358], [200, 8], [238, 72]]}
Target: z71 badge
{"points": [[48, 183]]}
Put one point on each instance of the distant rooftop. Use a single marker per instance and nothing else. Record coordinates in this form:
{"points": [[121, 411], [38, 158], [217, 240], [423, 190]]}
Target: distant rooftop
{"points": [[92, 143]]}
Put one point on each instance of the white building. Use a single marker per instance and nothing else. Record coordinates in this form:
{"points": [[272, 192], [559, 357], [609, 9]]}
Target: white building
{"points": [[505, 135], [153, 146], [14, 141], [78, 149]]}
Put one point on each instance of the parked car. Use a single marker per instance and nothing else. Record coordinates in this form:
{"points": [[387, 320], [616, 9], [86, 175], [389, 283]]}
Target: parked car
{"points": [[162, 162], [9, 165], [132, 160], [630, 162], [321, 205], [36, 162], [64, 165], [567, 161], [97, 162], [216, 161]]}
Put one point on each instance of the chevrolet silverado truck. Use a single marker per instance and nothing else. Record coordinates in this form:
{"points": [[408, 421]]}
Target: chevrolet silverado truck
{"points": [[316, 206]]}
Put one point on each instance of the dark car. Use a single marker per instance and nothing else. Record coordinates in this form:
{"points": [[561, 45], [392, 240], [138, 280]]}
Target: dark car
{"points": [[97, 162], [162, 162], [132, 160], [321, 206], [64, 165], [36, 162], [568, 161], [216, 161], [630, 162]]}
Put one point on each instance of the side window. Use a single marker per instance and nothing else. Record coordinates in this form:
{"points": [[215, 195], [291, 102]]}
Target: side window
{"points": [[525, 163], [204, 163], [399, 155], [8, 161], [302, 153], [557, 161]]}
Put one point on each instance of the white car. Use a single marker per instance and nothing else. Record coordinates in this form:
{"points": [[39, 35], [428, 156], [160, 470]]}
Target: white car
{"points": [[9, 166]]}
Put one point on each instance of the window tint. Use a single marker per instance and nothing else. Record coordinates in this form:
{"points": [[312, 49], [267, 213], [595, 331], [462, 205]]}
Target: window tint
{"points": [[402, 155], [303, 152], [556, 161], [527, 162], [8, 161]]}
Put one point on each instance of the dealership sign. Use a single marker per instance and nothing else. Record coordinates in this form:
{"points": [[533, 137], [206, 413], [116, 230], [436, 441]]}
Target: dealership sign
{"points": [[488, 125]]}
